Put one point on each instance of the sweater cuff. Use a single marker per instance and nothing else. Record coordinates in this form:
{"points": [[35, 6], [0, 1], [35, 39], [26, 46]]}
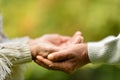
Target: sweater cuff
{"points": [[25, 55], [17, 50], [105, 51], [12, 53], [93, 52]]}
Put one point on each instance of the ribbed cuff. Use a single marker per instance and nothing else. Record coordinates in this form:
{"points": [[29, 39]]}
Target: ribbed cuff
{"points": [[94, 54]]}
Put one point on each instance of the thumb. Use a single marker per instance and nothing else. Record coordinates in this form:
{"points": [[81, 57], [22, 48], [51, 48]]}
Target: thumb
{"points": [[77, 38], [59, 56]]}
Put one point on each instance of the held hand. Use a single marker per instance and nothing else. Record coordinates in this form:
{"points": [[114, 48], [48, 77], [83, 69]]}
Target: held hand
{"points": [[58, 40], [66, 60], [52, 40], [62, 46], [46, 44], [42, 49]]}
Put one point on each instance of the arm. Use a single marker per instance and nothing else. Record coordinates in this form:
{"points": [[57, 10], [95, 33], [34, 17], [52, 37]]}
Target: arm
{"points": [[13, 53], [68, 57], [77, 55], [106, 51]]}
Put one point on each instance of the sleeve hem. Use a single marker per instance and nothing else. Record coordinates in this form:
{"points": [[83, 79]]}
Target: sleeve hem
{"points": [[93, 52]]}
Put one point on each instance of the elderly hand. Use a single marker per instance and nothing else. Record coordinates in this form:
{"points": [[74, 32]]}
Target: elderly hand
{"points": [[67, 60], [42, 49], [52, 41], [58, 40], [69, 56]]}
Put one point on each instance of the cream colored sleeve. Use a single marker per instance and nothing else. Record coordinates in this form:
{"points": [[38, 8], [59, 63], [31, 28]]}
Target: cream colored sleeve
{"points": [[106, 51], [13, 53]]}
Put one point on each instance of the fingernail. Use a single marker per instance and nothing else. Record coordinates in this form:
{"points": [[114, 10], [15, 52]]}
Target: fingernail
{"points": [[37, 57], [50, 57]]}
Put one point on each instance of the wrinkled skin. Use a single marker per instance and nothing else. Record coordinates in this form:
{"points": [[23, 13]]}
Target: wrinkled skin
{"points": [[60, 52], [52, 42], [67, 60]]}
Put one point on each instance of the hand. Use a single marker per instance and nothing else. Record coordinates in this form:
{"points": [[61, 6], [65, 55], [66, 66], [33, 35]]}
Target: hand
{"points": [[58, 40], [42, 49], [38, 46], [70, 56], [53, 40], [67, 60], [45, 44]]}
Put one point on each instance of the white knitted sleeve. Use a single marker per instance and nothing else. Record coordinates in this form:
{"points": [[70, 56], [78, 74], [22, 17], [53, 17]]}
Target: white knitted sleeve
{"points": [[13, 53], [106, 51]]}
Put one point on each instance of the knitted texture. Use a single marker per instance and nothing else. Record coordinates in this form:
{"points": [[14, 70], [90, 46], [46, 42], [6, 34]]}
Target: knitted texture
{"points": [[13, 54], [106, 51]]}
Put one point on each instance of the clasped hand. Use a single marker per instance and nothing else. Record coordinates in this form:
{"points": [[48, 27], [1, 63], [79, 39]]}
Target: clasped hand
{"points": [[58, 52]]}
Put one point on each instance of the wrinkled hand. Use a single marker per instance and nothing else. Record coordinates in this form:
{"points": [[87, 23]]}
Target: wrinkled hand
{"points": [[52, 41], [42, 49], [69, 55], [67, 60], [58, 40], [45, 44]]}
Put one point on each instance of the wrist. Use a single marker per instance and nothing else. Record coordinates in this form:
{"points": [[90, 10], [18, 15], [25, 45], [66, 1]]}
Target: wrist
{"points": [[86, 57], [32, 49], [85, 53]]}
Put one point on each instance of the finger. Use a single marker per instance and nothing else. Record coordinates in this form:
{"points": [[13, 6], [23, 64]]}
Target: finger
{"points": [[60, 56], [56, 39], [53, 49], [78, 33], [76, 37], [65, 38], [62, 66], [49, 65], [44, 51], [82, 39], [77, 40], [43, 62]]}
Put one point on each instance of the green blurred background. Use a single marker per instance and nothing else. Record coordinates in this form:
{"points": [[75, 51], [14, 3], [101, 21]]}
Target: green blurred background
{"points": [[96, 19]]}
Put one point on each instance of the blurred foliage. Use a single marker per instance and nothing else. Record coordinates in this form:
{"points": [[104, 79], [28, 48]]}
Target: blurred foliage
{"points": [[96, 19]]}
